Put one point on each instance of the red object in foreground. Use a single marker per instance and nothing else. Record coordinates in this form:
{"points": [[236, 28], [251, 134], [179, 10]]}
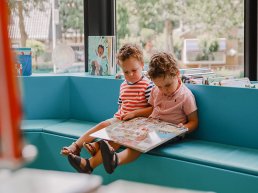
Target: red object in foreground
{"points": [[10, 103]]}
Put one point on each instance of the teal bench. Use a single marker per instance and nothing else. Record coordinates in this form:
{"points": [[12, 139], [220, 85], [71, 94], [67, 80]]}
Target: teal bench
{"points": [[221, 156]]}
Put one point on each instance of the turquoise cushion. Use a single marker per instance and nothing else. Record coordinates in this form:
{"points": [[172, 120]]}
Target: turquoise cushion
{"points": [[224, 156], [93, 99], [70, 128], [219, 155], [46, 97], [227, 115], [38, 125]]}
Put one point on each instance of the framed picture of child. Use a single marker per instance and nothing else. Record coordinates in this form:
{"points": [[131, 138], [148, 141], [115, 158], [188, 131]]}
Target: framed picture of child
{"points": [[101, 52]]}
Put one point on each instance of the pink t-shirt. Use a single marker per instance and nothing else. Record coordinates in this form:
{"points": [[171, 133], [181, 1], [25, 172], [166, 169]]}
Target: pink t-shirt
{"points": [[173, 108]]}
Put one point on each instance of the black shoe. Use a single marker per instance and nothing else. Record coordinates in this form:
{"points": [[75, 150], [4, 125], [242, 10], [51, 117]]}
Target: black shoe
{"points": [[109, 156]]}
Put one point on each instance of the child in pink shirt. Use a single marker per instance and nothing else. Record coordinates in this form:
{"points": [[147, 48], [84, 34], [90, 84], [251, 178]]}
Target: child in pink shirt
{"points": [[170, 101]]}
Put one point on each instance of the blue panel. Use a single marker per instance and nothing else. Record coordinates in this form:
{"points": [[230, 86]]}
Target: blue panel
{"points": [[177, 173], [227, 115], [46, 97], [158, 170], [51, 158], [70, 128], [38, 125], [234, 158], [94, 99]]}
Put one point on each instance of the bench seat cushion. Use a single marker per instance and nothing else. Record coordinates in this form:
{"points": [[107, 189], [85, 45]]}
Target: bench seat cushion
{"points": [[234, 158], [38, 125], [70, 128]]}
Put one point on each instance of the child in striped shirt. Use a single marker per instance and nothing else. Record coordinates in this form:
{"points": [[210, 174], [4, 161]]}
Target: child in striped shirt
{"points": [[134, 95]]}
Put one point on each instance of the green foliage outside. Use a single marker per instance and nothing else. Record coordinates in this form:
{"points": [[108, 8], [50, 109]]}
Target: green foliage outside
{"points": [[122, 20], [216, 18], [72, 16], [37, 48], [208, 47], [164, 22]]}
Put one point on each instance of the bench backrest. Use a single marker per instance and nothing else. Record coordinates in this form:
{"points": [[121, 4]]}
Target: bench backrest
{"points": [[93, 99], [45, 97], [226, 115]]}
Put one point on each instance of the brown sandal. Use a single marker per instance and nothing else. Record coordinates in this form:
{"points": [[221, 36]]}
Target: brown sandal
{"points": [[72, 149], [91, 148], [75, 162]]}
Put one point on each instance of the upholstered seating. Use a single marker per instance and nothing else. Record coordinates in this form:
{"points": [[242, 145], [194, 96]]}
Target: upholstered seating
{"points": [[221, 156]]}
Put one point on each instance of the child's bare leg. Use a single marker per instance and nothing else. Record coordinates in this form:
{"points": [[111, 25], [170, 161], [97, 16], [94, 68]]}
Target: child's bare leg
{"points": [[86, 136], [75, 147], [128, 155], [97, 67]]}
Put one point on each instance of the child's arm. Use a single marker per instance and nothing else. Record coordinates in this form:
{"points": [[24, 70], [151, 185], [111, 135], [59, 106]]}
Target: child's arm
{"points": [[144, 112], [192, 123]]}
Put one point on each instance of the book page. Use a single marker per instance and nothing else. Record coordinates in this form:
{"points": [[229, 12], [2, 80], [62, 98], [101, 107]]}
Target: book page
{"points": [[142, 134]]}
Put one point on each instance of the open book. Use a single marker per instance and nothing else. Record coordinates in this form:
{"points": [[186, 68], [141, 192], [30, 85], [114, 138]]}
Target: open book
{"points": [[141, 134]]}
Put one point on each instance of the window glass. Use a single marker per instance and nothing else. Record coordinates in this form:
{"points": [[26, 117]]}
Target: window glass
{"points": [[53, 29], [206, 34]]}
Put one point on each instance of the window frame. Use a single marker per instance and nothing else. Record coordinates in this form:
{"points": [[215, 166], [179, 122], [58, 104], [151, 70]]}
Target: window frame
{"points": [[99, 20], [105, 24], [250, 38]]}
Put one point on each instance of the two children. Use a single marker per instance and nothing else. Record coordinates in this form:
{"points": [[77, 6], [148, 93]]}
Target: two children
{"points": [[169, 101], [134, 95]]}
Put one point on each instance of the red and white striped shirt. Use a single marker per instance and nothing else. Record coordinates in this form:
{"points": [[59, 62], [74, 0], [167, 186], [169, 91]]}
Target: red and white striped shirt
{"points": [[133, 96]]}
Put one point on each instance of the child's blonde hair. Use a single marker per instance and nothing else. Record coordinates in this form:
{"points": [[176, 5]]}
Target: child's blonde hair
{"points": [[129, 50], [162, 64]]}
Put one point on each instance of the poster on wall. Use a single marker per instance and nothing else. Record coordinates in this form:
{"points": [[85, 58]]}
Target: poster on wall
{"points": [[101, 55], [23, 62]]}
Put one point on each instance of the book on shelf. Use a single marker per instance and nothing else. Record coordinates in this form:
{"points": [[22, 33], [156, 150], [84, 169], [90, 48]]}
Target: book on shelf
{"points": [[101, 53], [195, 75], [214, 80], [141, 134], [208, 77], [23, 63], [196, 78], [229, 81], [236, 82], [184, 71]]}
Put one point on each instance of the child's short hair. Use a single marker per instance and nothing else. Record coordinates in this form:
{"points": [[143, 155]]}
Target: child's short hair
{"points": [[101, 46], [129, 50], [162, 64]]}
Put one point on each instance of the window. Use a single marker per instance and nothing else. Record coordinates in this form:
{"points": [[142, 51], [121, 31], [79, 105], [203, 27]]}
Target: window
{"points": [[199, 33], [54, 29]]}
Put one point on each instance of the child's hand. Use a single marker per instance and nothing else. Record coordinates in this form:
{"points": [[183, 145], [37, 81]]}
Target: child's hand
{"points": [[180, 125], [128, 116]]}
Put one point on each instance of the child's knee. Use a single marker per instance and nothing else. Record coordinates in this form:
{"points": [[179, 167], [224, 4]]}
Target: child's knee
{"points": [[104, 124], [114, 145]]}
